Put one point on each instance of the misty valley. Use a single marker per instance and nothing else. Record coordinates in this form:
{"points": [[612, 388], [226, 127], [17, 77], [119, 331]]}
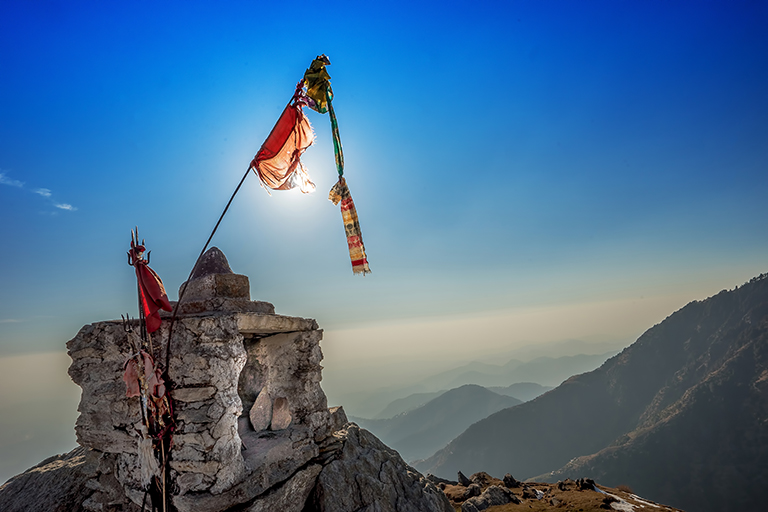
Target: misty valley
{"points": [[678, 416]]}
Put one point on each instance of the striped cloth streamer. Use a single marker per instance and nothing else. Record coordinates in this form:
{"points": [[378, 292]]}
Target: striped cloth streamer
{"points": [[319, 91], [340, 194]]}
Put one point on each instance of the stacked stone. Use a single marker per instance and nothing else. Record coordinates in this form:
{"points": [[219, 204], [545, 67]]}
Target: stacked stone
{"points": [[206, 451], [253, 430]]}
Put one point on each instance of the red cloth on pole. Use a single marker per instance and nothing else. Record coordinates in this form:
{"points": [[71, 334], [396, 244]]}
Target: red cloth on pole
{"points": [[153, 296]]}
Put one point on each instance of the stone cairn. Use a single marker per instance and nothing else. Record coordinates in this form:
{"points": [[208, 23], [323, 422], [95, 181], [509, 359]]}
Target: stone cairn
{"points": [[253, 429]]}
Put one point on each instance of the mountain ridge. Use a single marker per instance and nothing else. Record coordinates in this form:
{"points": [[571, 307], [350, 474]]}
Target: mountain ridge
{"points": [[546, 371], [680, 385], [422, 431]]}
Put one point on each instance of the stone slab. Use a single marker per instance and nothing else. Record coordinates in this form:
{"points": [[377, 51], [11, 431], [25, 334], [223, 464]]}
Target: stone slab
{"points": [[220, 304], [193, 394], [252, 323]]}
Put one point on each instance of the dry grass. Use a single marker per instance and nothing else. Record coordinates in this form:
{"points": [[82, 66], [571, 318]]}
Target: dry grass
{"points": [[566, 497]]}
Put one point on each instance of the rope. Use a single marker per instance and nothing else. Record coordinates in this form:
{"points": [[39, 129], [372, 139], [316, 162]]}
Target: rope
{"points": [[191, 273]]}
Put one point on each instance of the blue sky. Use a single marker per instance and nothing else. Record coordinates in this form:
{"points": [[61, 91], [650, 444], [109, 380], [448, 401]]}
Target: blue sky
{"points": [[502, 155], [506, 154]]}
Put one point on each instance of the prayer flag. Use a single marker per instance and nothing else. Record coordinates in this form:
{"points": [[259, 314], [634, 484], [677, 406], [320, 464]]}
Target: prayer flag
{"points": [[278, 162], [151, 290], [340, 194]]}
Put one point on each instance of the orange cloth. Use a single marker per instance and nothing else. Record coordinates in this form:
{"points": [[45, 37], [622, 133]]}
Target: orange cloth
{"points": [[278, 162]]}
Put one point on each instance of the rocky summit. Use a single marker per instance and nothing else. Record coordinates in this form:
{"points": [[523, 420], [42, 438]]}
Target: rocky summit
{"points": [[252, 432]]}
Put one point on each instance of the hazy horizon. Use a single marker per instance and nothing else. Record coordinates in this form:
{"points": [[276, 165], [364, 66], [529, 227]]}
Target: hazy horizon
{"points": [[50, 399]]}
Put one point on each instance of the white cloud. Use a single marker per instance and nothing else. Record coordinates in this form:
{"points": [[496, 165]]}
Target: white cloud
{"points": [[10, 321], [44, 192], [10, 182]]}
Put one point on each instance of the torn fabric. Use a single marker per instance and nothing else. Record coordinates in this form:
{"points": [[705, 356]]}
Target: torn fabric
{"points": [[340, 194], [278, 162], [153, 296], [151, 290], [319, 92], [143, 374], [318, 83]]}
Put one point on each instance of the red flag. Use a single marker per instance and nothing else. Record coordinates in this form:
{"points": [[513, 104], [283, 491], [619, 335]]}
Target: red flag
{"points": [[151, 289]]}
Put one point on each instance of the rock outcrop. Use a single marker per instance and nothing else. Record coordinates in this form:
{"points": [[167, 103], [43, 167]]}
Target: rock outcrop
{"points": [[253, 431], [368, 475]]}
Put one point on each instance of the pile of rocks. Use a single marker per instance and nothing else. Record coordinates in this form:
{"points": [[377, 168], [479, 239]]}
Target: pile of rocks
{"points": [[480, 491], [483, 492]]}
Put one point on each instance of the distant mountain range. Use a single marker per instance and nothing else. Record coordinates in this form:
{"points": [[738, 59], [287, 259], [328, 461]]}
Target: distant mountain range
{"points": [[558, 349], [681, 416], [407, 403], [422, 431], [523, 391], [547, 371], [544, 371]]}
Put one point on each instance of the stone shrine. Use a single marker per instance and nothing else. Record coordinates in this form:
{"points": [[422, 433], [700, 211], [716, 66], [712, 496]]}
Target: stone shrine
{"points": [[253, 429]]}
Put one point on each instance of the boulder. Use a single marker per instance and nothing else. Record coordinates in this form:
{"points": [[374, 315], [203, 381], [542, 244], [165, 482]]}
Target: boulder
{"points": [[213, 278], [212, 262], [281, 415], [491, 497], [483, 479], [585, 484], [510, 482], [472, 491]]}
